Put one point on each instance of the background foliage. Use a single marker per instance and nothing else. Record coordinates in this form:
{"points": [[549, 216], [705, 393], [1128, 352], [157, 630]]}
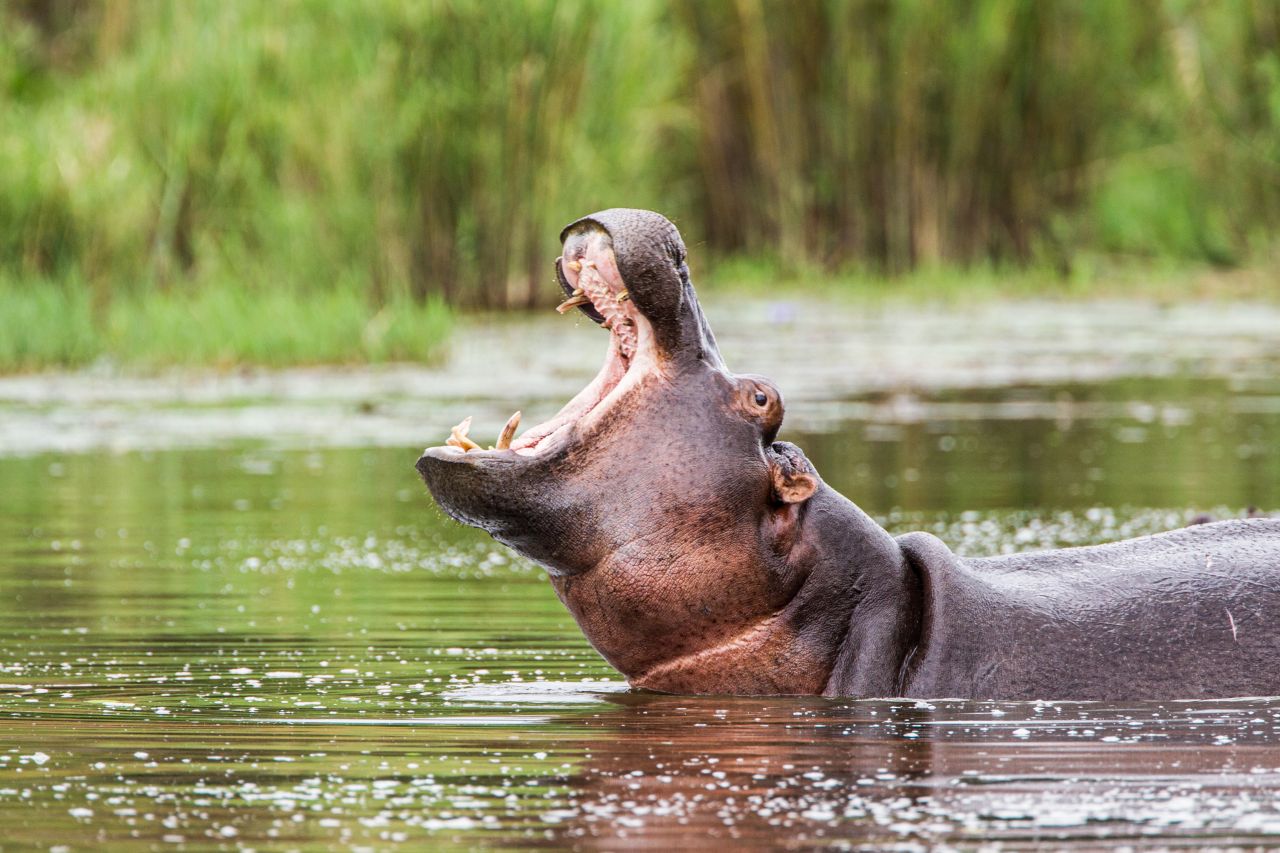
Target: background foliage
{"points": [[383, 159]]}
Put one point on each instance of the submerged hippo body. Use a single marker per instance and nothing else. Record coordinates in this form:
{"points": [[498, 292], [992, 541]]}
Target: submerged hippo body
{"points": [[699, 555]]}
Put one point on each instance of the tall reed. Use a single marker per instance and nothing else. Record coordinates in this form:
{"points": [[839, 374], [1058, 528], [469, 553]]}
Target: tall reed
{"points": [[404, 152], [898, 134]]}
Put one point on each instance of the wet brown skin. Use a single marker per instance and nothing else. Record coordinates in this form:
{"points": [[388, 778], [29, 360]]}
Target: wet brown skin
{"points": [[699, 555]]}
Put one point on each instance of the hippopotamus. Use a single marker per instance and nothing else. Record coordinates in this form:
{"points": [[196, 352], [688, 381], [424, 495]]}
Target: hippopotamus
{"points": [[699, 554]]}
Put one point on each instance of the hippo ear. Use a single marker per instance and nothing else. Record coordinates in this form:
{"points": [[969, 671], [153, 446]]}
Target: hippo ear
{"points": [[793, 476]]}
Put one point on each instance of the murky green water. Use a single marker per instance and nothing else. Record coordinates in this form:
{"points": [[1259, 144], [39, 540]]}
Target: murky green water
{"points": [[283, 649]]}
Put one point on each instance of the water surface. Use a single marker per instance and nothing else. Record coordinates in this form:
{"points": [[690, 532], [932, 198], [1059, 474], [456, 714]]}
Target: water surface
{"points": [[279, 645]]}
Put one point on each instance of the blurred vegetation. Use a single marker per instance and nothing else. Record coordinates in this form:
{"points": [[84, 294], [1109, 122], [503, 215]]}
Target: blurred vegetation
{"points": [[312, 181], [902, 134]]}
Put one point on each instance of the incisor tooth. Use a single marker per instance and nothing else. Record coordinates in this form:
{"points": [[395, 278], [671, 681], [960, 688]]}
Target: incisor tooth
{"points": [[576, 266], [623, 296], [458, 436], [508, 432]]}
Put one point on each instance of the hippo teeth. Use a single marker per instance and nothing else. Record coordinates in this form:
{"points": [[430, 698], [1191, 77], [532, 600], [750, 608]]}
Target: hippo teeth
{"points": [[458, 436], [578, 298], [508, 432]]}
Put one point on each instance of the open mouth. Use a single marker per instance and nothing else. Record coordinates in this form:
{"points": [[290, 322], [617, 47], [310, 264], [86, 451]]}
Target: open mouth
{"points": [[589, 275]]}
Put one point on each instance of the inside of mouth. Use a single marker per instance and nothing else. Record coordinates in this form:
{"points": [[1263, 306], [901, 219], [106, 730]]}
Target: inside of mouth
{"points": [[590, 278], [592, 275]]}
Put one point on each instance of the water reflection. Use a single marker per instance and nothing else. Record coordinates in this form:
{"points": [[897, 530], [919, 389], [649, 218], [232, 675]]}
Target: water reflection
{"points": [[666, 770], [606, 768]]}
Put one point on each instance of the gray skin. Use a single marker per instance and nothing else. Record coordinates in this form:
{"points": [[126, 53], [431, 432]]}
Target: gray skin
{"points": [[700, 555]]}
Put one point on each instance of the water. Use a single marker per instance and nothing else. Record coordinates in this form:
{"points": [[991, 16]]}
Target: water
{"points": [[243, 641]]}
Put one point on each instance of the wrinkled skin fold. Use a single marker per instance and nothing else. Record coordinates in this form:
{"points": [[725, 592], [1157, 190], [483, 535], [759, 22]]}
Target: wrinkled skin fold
{"points": [[701, 555]]}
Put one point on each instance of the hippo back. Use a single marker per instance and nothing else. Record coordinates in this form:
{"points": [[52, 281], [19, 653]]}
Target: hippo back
{"points": [[1187, 614]]}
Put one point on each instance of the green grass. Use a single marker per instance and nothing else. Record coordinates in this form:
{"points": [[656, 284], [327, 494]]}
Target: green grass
{"points": [[43, 324], [1103, 279], [47, 325], [51, 325], [422, 150], [230, 181]]}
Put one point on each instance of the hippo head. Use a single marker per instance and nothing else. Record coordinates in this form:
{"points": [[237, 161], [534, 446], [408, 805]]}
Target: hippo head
{"points": [[657, 498]]}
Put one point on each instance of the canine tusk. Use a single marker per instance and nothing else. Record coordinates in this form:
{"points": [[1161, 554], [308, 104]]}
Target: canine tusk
{"points": [[508, 432], [573, 302]]}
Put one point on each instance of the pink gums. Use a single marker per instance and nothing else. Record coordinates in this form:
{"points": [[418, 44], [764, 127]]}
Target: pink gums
{"points": [[605, 301]]}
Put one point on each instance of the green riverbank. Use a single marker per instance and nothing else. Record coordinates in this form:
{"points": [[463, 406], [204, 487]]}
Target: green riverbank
{"points": [[56, 326], [46, 325], [1161, 284], [304, 166]]}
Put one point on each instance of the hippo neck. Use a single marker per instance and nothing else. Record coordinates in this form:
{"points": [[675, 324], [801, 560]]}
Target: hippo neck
{"points": [[766, 658], [848, 626], [864, 588]]}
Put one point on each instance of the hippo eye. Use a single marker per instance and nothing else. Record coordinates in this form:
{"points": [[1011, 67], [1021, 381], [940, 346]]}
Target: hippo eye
{"points": [[761, 399]]}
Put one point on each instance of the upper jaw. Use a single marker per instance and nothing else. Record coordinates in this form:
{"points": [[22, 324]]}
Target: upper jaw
{"points": [[563, 280], [651, 257]]}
